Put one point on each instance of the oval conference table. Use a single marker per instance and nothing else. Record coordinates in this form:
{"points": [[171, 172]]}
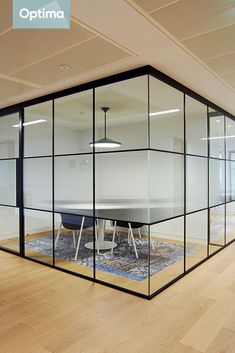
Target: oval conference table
{"points": [[137, 211]]}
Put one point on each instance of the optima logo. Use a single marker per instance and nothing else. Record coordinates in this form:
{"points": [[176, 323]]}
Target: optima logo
{"points": [[41, 14], [31, 15]]}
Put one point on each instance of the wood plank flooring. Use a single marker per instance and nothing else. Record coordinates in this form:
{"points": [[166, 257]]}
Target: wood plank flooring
{"points": [[46, 311]]}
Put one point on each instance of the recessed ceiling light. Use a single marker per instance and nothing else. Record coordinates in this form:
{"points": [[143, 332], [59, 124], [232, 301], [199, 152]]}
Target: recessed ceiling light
{"points": [[164, 112], [31, 122], [65, 67], [218, 137]]}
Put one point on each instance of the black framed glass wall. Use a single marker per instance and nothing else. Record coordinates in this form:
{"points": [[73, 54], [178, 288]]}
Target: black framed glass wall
{"points": [[128, 181], [9, 188]]}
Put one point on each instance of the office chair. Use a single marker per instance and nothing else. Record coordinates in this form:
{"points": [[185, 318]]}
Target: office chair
{"points": [[131, 239], [76, 224]]}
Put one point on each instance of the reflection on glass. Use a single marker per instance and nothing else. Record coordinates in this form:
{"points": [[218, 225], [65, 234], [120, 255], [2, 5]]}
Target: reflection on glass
{"points": [[38, 183], [73, 123], [9, 230], [39, 235], [230, 138], [73, 234], [216, 121], [196, 127], [196, 178], [127, 117], [38, 130], [230, 222], [166, 117], [196, 237], [74, 184], [217, 182], [166, 185], [123, 254], [230, 180], [9, 136], [217, 223], [166, 252], [8, 182]]}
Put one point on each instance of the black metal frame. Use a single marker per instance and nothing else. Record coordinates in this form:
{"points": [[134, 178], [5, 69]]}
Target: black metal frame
{"points": [[142, 71]]}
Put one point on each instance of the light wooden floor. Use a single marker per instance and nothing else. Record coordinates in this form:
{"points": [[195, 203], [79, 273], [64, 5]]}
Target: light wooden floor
{"points": [[46, 311]]}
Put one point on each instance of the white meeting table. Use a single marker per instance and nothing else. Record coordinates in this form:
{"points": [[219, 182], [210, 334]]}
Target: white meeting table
{"points": [[130, 211]]}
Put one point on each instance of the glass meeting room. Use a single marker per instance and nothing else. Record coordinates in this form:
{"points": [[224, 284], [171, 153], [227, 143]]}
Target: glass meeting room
{"points": [[129, 182]]}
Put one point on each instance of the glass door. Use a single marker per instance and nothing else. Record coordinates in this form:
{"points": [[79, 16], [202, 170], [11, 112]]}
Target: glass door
{"points": [[9, 179]]}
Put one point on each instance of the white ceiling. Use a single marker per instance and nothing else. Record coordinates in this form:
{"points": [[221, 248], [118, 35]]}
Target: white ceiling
{"points": [[190, 40]]}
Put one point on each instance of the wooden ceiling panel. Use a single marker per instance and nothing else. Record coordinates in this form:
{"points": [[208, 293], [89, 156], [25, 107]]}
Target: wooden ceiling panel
{"points": [[5, 15], [90, 55], [8, 88], [222, 65], [213, 44], [188, 18], [230, 78], [33, 45], [150, 5]]}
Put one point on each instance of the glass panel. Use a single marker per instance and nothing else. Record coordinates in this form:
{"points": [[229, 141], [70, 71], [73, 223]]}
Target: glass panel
{"points": [[217, 182], [38, 183], [166, 252], [196, 183], [9, 136], [230, 222], [166, 117], [196, 127], [122, 186], [127, 116], [8, 182], [74, 184], [73, 123], [38, 130], [217, 223], [230, 138], [74, 243], [9, 228], [39, 235], [216, 120], [166, 185], [230, 180], [196, 237], [124, 254]]}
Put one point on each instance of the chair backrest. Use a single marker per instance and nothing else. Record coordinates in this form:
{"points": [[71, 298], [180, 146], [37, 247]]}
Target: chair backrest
{"points": [[125, 224], [73, 222]]}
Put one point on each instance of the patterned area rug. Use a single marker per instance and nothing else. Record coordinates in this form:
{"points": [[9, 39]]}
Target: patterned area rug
{"points": [[123, 262]]}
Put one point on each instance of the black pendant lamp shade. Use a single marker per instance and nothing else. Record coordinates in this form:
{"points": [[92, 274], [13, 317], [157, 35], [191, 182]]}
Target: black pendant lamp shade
{"points": [[105, 142]]}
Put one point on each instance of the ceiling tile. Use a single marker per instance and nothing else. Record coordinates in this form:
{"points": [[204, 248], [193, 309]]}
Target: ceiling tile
{"points": [[230, 78], [5, 15], [222, 65], [150, 5], [187, 18], [33, 45], [9, 88], [90, 55], [213, 44]]}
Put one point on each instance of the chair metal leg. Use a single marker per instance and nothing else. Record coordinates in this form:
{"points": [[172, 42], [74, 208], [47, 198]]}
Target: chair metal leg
{"points": [[96, 241], [133, 240], [152, 243], [139, 231], [128, 237], [79, 239], [114, 233], [58, 234], [74, 236]]}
